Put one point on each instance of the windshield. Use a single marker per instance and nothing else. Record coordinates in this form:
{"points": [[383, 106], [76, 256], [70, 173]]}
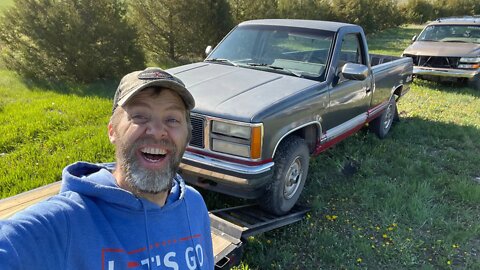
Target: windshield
{"points": [[451, 33], [288, 50]]}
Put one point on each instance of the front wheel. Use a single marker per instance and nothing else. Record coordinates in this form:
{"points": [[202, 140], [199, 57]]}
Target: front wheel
{"points": [[290, 173], [382, 124]]}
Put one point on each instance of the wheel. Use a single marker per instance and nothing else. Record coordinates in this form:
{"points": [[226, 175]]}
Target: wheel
{"points": [[290, 173], [382, 124], [475, 82]]}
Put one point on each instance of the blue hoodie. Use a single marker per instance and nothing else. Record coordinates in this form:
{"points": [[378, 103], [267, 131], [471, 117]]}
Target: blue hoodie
{"points": [[94, 224]]}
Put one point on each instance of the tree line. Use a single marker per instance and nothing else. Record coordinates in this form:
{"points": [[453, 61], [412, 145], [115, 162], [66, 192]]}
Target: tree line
{"points": [[87, 40]]}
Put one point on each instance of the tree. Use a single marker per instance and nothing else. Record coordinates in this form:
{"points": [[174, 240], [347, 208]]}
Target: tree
{"points": [[305, 9], [72, 40], [372, 15], [181, 29], [243, 10]]}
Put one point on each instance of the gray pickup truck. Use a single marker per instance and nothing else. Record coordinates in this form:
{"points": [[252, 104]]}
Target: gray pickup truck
{"points": [[275, 92]]}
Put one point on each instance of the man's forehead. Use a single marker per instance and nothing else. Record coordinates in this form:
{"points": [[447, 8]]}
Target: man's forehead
{"points": [[157, 96]]}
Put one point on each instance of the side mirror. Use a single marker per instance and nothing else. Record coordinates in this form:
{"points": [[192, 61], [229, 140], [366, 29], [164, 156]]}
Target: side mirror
{"points": [[208, 50], [414, 38], [356, 72]]}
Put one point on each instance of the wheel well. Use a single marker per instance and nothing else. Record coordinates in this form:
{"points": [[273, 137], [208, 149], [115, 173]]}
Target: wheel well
{"points": [[309, 133], [398, 91]]}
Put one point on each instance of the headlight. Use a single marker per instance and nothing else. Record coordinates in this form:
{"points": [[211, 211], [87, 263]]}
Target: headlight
{"points": [[231, 148], [231, 130], [471, 66], [243, 140], [470, 59]]}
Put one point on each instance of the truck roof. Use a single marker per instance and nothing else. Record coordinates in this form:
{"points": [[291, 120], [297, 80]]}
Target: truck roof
{"points": [[323, 25], [471, 20]]}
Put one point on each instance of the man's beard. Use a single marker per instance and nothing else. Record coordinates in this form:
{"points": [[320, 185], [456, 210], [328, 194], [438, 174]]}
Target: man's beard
{"points": [[144, 179]]}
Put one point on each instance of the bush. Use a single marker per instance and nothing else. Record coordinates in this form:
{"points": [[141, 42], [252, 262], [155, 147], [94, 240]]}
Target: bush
{"points": [[372, 15], [69, 40], [180, 30]]}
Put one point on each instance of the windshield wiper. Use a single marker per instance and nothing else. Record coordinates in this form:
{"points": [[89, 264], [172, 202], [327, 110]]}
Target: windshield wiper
{"points": [[286, 70], [459, 41], [221, 60]]}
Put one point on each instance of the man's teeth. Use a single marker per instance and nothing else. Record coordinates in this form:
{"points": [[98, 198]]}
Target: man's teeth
{"points": [[153, 151]]}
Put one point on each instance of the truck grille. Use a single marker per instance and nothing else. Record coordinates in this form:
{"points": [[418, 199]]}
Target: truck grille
{"points": [[434, 61], [198, 124]]}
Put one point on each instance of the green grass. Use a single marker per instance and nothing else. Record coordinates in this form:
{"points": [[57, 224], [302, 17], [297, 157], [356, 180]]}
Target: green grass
{"points": [[414, 202], [44, 129], [5, 4]]}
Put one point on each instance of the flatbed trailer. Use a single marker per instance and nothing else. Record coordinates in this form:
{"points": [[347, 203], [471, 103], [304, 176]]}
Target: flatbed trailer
{"points": [[230, 226]]}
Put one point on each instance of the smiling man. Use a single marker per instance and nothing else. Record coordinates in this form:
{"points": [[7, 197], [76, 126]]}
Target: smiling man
{"points": [[141, 215]]}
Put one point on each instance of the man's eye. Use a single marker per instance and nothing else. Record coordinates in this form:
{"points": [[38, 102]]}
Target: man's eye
{"points": [[173, 121], [140, 118]]}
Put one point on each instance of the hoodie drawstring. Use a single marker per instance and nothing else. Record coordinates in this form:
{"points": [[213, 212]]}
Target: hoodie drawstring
{"points": [[146, 235]]}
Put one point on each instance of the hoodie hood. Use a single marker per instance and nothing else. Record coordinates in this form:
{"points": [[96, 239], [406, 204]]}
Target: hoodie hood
{"points": [[97, 181]]}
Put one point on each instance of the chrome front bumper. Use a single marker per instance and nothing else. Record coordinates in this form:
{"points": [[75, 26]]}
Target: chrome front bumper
{"points": [[226, 177], [445, 72]]}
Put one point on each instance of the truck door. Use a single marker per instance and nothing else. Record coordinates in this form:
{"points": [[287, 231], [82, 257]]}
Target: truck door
{"points": [[349, 99]]}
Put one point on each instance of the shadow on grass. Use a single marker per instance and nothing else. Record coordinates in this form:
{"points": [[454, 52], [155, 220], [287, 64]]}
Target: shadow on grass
{"points": [[101, 88], [415, 149], [449, 87]]}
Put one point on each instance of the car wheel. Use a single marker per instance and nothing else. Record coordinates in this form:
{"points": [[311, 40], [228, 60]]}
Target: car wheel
{"points": [[290, 173], [382, 124]]}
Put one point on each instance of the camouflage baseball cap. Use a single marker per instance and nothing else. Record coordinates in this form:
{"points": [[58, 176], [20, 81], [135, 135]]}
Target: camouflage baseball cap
{"points": [[136, 81]]}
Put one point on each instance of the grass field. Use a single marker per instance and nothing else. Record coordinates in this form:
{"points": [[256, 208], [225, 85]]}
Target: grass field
{"points": [[412, 203], [5, 4]]}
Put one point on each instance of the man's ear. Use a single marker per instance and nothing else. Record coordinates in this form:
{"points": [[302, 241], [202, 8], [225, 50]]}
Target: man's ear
{"points": [[112, 135]]}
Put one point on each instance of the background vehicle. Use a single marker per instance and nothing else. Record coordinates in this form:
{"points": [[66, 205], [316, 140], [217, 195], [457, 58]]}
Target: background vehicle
{"points": [[275, 92], [448, 49]]}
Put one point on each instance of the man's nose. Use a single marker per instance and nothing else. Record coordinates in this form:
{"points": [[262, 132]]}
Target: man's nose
{"points": [[157, 129]]}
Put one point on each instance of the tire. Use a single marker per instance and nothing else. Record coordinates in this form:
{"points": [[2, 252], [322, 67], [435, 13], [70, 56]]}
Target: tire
{"points": [[290, 173], [475, 82], [382, 124]]}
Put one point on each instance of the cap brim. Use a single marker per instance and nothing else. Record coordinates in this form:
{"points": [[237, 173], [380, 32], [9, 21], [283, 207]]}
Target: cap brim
{"points": [[178, 88]]}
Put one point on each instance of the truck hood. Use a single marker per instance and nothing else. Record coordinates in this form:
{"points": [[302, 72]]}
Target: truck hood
{"points": [[237, 93], [447, 49]]}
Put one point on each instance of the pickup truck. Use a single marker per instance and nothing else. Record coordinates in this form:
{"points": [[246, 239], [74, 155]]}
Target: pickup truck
{"points": [[448, 49], [275, 92]]}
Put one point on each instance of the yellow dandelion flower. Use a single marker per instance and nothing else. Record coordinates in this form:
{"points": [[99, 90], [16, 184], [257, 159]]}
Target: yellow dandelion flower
{"points": [[385, 235], [455, 246], [359, 260], [394, 224], [449, 262], [390, 228], [377, 228]]}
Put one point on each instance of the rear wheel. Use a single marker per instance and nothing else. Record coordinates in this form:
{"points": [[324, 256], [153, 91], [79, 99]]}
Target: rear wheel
{"points": [[382, 124], [290, 173]]}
